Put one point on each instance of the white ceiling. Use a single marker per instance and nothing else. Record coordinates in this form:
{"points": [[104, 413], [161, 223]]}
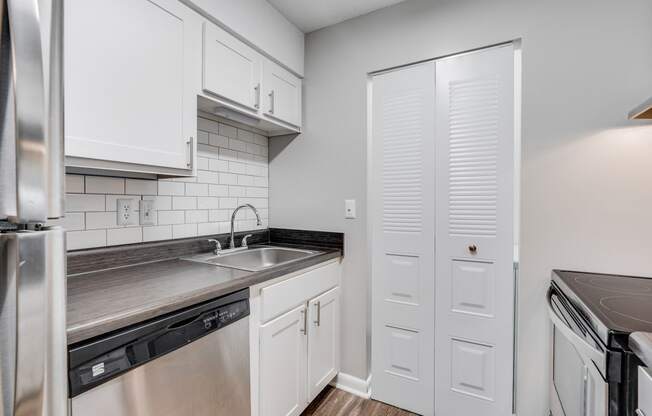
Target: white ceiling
{"points": [[309, 15]]}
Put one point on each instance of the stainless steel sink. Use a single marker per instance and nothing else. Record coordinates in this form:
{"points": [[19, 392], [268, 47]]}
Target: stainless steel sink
{"points": [[255, 258]]}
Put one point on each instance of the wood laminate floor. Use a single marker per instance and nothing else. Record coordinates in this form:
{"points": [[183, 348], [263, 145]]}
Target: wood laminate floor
{"points": [[335, 402]]}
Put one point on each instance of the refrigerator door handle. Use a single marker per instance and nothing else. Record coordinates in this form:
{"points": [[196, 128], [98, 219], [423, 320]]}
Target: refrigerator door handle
{"points": [[36, 113]]}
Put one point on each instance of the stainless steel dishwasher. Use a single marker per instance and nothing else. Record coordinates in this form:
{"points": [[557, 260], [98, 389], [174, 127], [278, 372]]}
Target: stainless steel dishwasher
{"points": [[189, 363]]}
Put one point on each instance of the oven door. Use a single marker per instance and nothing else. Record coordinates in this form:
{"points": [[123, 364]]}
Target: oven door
{"points": [[578, 385]]}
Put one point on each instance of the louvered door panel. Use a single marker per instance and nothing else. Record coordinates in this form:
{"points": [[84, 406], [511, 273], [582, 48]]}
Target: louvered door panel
{"points": [[402, 200], [474, 219], [473, 157]]}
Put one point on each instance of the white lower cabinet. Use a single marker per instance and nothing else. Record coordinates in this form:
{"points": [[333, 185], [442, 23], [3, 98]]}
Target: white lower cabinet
{"points": [[323, 340], [283, 364], [297, 353]]}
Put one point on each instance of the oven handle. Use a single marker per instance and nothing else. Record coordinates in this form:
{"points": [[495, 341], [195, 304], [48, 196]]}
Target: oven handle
{"points": [[588, 352]]}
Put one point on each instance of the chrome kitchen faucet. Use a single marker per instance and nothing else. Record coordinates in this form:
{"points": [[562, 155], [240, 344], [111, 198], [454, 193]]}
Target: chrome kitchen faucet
{"points": [[235, 211]]}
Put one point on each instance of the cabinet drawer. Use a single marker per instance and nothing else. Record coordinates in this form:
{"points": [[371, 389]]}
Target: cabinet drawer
{"points": [[290, 293], [644, 392]]}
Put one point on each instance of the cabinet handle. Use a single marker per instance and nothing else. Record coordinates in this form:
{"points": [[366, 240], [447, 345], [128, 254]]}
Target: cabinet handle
{"points": [[318, 321], [257, 96], [271, 102], [190, 150], [304, 330]]}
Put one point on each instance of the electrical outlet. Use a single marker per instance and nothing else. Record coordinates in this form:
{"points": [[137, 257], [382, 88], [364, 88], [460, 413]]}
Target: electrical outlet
{"points": [[126, 211], [146, 212]]}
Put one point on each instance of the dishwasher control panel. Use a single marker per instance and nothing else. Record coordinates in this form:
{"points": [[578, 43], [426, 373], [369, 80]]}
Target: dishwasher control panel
{"points": [[98, 361]]}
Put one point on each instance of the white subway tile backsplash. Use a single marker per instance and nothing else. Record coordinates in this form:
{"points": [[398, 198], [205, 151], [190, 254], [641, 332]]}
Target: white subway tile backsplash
{"points": [[218, 141], [141, 186], [237, 145], [231, 169], [197, 189], [229, 203], [75, 184], [171, 217], [101, 220], [84, 202], [218, 190], [261, 181], [217, 215], [119, 236], [184, 230], [193, 217], [104, 185], [202, 137], [208, 228], [246, 180], [208, 202], [171, 188], [204, 176], [76, 240], [226, 154], [157, 232], [235, 167], [228, 131], [237, 191], [184, 202], [254, 149], [228, 179], [203, 163], [257, 192], [207, 125], [218, 165], [261, 140]]}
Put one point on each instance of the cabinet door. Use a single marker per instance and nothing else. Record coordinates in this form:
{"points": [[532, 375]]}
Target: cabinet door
{"points": [[231, 68], [283, 364], [282, 98], [323, 340], [129, 86]]}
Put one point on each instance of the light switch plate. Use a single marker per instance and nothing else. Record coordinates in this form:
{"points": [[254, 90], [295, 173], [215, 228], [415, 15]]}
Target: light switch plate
{"points": [[126, 208], [146, 212], [349, 208]]}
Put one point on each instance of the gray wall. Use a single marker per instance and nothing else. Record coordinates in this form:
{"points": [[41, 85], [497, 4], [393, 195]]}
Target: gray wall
{"points": [[586, 171]]}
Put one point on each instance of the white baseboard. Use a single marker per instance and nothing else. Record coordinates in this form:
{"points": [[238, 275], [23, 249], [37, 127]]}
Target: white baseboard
{"points": [[353, 385]]}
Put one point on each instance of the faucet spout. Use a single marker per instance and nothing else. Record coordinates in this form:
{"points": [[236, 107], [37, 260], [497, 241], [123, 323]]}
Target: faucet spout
{"points": [[235, 211]]}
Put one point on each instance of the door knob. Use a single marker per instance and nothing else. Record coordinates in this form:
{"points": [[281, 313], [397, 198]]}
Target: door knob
{"points": [[473, 249]]}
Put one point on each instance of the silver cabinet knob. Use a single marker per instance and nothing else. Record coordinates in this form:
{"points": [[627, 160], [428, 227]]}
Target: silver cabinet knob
{"points": [[473, 249]]}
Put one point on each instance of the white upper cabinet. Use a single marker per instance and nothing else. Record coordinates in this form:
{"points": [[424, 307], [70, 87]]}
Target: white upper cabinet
{"points": [[241, 84], [261, 25], [282, 94], [131, 72], [231, 69]]}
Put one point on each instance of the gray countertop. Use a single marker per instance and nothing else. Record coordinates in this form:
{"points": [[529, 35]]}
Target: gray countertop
{"points": [[104, 301], [641, 344]]}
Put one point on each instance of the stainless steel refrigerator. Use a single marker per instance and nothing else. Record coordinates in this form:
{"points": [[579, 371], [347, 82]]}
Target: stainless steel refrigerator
{"points": [[32, 255]]}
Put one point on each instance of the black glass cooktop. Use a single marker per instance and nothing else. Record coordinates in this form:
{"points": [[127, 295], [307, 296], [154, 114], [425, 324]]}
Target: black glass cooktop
{"points": [[613, 305]]}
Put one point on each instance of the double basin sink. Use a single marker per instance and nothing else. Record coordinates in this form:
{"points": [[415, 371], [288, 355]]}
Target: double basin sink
{"points": [[253, 259]]}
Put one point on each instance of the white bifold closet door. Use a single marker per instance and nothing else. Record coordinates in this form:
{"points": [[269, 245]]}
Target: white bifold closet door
{"points": [[474, 319], [442, 235], [402, 234]]}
